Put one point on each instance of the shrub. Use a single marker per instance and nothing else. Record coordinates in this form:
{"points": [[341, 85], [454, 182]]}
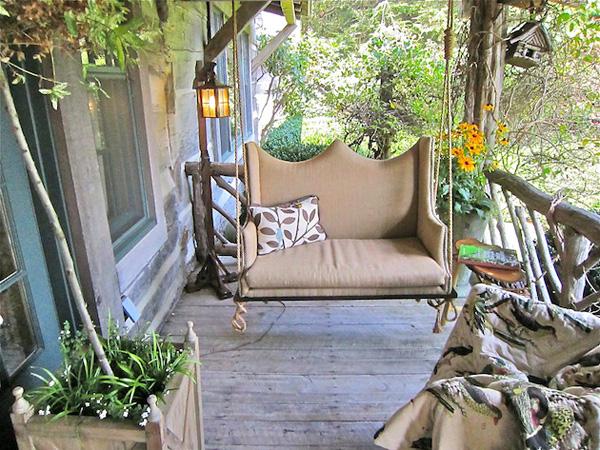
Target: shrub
{"points": [[285, 142]]}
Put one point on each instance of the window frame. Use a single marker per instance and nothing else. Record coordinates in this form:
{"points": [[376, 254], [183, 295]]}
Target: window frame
{"points": [[220, 129], [136, 232], [131, 262]]}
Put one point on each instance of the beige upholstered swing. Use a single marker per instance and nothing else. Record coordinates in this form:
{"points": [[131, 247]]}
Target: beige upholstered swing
{"points": [[383, 237]]}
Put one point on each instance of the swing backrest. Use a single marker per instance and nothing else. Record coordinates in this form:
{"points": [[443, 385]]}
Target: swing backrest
{"points": [[359, 198]]}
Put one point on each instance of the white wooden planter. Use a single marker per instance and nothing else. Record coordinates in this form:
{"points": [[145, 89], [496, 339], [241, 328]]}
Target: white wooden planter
{"points": [[175, 425]]}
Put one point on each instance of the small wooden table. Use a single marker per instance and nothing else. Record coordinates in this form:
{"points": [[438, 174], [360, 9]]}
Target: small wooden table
{"points": [[513, 280]]}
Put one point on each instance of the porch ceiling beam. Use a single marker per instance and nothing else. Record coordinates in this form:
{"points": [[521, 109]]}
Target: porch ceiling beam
{"points": [[244, 14], [272, 45]]}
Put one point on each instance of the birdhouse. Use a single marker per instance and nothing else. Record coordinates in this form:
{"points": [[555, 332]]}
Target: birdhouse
{"points": [[526, 44], [525, 4]]}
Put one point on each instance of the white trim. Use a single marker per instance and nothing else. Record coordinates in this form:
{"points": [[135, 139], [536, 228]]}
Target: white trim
{"points": [[135, 260]]}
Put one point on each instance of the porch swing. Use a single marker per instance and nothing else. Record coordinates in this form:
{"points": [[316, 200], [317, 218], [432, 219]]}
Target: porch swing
{"points": [[384, 239]]}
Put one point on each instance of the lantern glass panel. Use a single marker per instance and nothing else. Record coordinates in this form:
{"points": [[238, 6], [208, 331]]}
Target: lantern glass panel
{"points": [[208, 102], [222, 101]]}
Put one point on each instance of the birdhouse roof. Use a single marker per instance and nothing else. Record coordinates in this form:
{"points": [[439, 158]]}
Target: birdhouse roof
{"points": [[532, 32]]}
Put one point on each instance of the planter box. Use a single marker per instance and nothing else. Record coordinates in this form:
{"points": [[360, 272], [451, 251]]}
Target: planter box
{"points": [[175, 425]]}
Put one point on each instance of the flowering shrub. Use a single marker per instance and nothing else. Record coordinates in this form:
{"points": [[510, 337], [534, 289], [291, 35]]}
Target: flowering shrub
{"points": [[142, 366], [468, 159]]}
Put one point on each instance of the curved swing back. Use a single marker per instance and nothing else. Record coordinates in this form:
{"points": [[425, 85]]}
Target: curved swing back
{"points": [[359, 198]]}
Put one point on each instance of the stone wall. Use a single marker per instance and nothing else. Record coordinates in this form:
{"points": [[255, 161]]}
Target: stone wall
{"points": [[170, 74]]}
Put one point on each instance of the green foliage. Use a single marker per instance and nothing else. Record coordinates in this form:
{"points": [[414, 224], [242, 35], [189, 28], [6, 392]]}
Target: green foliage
{"points": [[103, 28], [142, 366], [285, 142], [552, 109]]}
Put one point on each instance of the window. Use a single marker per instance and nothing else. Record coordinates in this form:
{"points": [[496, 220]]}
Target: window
{"points": [[220, 128], [122, 156], [245, 81]]}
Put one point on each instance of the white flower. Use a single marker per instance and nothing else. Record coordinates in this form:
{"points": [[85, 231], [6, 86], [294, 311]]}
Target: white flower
{"points": [[143, 423], [102, 415], [87, 404], [51, 383], [41, 412], [145, 414], [125, 413], [47, 409]]}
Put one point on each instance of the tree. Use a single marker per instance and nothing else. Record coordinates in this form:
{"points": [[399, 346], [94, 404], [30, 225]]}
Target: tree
{"points": [[98, 27], [368, 65], [552, 109]]}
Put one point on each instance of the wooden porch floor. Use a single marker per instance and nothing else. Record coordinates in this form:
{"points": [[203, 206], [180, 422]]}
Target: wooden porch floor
{"points": [[318, 375]]}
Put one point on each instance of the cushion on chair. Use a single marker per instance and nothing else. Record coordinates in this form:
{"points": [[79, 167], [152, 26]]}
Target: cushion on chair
{"points": [[287, 225], [348, 263]]}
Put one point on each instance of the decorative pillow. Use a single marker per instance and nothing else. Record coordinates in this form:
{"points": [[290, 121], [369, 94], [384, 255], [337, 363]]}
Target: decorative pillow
{"points": [[287, 225]]}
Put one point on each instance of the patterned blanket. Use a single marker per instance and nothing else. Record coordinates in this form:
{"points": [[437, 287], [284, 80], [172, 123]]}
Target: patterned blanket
{"points": [[514, 374]]}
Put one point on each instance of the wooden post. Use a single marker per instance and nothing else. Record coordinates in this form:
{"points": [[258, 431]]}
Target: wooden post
{"points": [[210, 273], [542, 245], [522, 245], [155, 428], [191, 341], [21, 412], [485, 65], [499, 222], [577, 248], [540, 282]]}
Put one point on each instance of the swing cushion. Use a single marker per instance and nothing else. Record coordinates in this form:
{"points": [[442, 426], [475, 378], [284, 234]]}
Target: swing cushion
{"points": [[349, 264], [383, 237]]}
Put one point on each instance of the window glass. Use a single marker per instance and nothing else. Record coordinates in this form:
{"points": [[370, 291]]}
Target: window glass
{"points": [[245, 81], [7, 257], [220, 128], [121, 158], [17, 338]]}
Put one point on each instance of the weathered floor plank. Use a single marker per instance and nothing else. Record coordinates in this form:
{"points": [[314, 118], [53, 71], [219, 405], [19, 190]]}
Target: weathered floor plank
{"points": [[319, 375]]}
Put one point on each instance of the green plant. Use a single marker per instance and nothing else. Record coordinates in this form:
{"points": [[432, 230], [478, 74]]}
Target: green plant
{"points": [[468, 180], [285, 142], [142, 366]]}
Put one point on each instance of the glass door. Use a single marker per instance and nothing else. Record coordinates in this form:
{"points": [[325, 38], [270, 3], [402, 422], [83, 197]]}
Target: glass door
{"points": [[28, 321]]}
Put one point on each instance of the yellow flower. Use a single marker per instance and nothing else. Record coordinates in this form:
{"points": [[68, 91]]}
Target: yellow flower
{"points": [[476, 149], [488, 107], [494, 165], [502, 128], [458, 152], [466, 163], [463, 126], [475, 137], [503, 141]]}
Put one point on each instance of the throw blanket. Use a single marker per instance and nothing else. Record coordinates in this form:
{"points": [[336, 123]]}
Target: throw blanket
{"points": [[515, 374]]}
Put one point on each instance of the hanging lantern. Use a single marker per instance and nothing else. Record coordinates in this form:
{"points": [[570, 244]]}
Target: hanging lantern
{"points": [[213, 97]]}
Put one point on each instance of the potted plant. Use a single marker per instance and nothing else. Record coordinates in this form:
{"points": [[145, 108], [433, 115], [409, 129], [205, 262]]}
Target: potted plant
{"points": [[152, 400], [471, 205]]}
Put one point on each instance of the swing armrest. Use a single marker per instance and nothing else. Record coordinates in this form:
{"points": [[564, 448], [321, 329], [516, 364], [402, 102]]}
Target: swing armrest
{"points": [[432, 234], [431, 231], [250, 244]]}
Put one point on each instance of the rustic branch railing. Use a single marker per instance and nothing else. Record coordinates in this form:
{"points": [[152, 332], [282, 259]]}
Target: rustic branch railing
{"points": [[575, 234], [218, 172]]}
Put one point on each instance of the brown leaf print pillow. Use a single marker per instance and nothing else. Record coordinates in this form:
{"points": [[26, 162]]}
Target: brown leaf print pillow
{"points": [[287, 225]]}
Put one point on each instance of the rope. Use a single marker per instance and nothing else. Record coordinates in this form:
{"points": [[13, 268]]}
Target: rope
{"points": [[238, 322], [446, 306]]}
